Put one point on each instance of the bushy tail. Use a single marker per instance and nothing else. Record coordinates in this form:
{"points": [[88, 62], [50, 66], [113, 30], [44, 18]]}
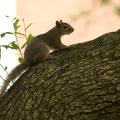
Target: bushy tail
{"points": [[13, 74]]}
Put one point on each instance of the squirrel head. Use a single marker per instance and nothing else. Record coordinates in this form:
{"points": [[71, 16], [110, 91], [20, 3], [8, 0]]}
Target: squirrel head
{"points": [[64, 28]]}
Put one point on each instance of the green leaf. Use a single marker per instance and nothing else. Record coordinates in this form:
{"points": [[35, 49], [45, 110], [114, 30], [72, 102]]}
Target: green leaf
{"points": [[7, 16], [5, 68], [5, 33], [29, 38], [9, 33], [2, 35], [14, 45], [105, 1], [117, 10], [21, 59], [15, 24], [28, 26], [17, 27], [11, 45], [7, 46]]}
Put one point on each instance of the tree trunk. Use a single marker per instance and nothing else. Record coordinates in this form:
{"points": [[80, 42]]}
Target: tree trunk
{"points": [[78, 83]]}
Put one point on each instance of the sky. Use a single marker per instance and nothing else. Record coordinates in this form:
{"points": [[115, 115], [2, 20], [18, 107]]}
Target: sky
{"points": [[7, 7]]}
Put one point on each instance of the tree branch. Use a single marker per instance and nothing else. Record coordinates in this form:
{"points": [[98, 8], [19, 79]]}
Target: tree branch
{"points": [[78, 83]]}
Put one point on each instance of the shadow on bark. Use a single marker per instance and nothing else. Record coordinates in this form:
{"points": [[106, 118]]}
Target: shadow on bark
{"points": [[78, 83]]}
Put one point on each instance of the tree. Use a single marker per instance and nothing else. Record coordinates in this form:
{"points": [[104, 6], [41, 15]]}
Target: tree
{"points": [[78, 83]]}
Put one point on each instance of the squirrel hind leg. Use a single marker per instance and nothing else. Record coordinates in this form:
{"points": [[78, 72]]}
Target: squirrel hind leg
{"points": [[41, 56]]}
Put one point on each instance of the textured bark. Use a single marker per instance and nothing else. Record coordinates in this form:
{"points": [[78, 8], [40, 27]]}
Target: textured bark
{"points": [[78, 83]]}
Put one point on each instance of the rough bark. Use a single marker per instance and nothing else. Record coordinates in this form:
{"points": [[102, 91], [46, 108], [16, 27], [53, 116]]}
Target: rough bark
{"points": [[78, 83]]}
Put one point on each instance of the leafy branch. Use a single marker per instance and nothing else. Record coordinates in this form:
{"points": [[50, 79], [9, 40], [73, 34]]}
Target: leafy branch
{"points": [[15, 43]]}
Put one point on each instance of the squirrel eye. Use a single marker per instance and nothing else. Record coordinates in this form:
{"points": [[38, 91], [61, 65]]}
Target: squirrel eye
{"points": [[65, 27]]}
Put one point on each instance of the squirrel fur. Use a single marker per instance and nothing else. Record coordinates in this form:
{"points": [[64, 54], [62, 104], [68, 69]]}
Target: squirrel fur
{"points": [[38, 50]]}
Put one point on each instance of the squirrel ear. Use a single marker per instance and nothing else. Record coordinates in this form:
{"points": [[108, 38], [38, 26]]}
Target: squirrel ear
{"points": [[57, 23], [60, 21]]}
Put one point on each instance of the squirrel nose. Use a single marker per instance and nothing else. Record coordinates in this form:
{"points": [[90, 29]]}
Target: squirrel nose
{"points": [[72, 29]]}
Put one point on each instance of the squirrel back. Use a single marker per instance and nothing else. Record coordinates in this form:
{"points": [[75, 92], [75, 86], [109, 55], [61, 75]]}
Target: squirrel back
{"points": [[38, 50]]}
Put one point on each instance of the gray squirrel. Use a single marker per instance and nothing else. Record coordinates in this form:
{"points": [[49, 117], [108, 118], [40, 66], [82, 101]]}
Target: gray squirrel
{"points": [[38, 50]]}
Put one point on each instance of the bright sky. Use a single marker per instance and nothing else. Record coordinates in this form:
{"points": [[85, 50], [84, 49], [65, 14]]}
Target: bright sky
{"points": [[7, 7]]}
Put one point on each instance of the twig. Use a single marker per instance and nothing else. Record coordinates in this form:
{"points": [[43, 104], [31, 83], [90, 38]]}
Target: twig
{"points": [[4, 69], [20, 51], [25, 30]]}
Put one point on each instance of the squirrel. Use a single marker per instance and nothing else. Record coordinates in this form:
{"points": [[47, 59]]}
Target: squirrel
{"points": [[38, 49]]}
